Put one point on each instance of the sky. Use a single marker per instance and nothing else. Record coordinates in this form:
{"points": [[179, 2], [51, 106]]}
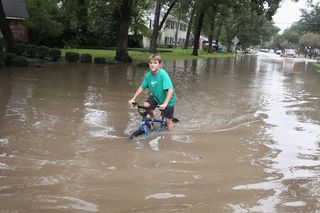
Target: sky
{"points": [[288, 13]]}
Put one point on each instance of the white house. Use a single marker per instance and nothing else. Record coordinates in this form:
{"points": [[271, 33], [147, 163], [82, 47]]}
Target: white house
{"points": [[168, 31]]}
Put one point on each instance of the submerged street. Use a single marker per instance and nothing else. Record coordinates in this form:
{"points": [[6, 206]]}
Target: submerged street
{"points": [[248, 139]]}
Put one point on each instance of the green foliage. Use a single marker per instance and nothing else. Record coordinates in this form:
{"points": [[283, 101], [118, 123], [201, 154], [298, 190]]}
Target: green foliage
{"points": [[55, 54], [72, 57], [9, 58], [135, 41], [1, 45], [19, 48], [43, 20], [311, 40], [2, 58], [99, 60], [143, 54], [311, 19], [43, 51], [86, 58], [32, 50], [19, 61]]}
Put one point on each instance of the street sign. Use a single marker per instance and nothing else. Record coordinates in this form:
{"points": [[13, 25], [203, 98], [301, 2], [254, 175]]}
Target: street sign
{"points": [[235, 40]]}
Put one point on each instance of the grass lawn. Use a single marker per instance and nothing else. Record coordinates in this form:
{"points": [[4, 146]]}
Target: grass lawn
{"points": [[141, 55], [318, 66]]}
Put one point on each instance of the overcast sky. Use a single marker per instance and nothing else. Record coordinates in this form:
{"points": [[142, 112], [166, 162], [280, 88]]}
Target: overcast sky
{"points": [[288, 13]]}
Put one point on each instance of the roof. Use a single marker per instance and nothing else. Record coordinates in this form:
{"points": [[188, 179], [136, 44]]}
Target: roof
{"points": [[15, 9]]}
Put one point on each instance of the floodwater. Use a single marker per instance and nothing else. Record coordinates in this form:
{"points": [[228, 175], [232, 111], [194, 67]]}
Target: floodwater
{"points": [[248, 139]]}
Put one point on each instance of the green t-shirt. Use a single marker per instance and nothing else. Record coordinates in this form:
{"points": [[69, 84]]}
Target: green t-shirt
{"points": [[158, 85]]}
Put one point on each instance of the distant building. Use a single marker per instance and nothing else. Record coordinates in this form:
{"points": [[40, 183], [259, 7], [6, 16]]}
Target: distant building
{"points": [[16, 14], [168, 31]]}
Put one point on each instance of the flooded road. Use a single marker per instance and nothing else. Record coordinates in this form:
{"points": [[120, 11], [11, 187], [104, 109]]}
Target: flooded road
{"points": [[248, 139]]}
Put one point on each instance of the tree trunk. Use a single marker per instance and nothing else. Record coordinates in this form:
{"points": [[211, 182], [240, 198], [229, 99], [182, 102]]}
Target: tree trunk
{"points": [[6, 30], [156, 26], [166, 15], [198, 32], [125, 19], [154, 36], [186, 44], [210, 39], [177, 32], [82, 25]]}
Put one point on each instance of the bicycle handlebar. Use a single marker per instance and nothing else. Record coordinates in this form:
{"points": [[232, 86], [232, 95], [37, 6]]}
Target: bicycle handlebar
{"points": [[134, 104]]}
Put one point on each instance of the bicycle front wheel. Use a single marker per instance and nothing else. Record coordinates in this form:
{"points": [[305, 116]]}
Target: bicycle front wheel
{"points": [[136, 134]]}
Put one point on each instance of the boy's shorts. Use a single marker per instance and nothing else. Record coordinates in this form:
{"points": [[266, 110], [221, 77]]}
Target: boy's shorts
{"points": [[167, 112]]}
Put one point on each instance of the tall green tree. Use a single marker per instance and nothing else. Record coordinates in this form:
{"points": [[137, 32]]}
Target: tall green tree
{"points": [[191, 11], [82, 21], [311, 19], [125, 21], [43, 21], [202, 6]]}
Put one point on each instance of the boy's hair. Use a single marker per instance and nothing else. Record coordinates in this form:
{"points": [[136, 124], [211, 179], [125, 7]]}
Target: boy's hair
{"points": [[155, 57]]}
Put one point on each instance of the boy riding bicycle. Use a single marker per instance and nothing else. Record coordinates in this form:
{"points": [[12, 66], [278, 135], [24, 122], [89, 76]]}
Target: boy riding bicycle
{"points": [[158, 81]]}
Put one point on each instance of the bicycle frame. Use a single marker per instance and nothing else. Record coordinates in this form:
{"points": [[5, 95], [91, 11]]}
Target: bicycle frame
{"points": [[147, 123]]}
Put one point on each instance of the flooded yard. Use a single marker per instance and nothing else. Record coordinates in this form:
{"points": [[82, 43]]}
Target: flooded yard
{"points": [[248, 139]]}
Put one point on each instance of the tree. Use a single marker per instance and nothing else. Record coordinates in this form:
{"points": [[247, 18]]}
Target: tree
{"points": [[190, 23], [6, 30], [43, 21], [311, 20], [125, 20], [154, 36], [310, 41], [156, 26], [201, 8], [82, 21], [182, 12]]}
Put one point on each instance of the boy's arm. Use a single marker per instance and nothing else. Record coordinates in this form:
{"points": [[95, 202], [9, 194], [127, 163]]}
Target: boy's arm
{"points": [[138, 92], [166, 101]]}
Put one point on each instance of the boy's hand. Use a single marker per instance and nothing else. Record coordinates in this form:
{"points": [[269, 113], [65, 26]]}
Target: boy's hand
{"points": [[162, 106], [131, 101]]}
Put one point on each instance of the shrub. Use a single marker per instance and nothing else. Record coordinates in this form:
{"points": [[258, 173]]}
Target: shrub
{"points": [[99, 60], [9, 58], [19, 48], [32, 50], [110, 62], [1, 45], [86, 58], [72, 56], [2, 58], [143, 64], [19, 61], [55, 54], [43, 51]]}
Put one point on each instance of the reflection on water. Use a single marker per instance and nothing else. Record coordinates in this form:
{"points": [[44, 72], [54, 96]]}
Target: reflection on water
{"points": [[247, 141]]}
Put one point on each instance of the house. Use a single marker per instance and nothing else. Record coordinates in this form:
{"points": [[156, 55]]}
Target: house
{"points": [[16, 13], [168, 31]]}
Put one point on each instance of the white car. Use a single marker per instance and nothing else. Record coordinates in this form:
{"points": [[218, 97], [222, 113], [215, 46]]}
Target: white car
{"points": [[290, 53]]}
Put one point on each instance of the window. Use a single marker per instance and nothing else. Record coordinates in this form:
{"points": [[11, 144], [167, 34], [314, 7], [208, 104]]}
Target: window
{"points": [[181, 41], [171, 40], [167, 24], [166, 40], [172, 24], [183, 27]]}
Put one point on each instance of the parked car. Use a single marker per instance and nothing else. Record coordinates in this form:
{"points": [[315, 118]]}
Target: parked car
{"points": [[278, 52], [289, 53]]}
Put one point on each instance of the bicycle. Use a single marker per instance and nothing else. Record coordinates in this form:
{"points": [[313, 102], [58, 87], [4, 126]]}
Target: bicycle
{"points": [[148, 124]]}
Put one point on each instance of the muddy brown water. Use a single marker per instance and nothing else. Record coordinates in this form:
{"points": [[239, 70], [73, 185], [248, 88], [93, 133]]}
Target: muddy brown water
{"points": [[247, 141]]}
